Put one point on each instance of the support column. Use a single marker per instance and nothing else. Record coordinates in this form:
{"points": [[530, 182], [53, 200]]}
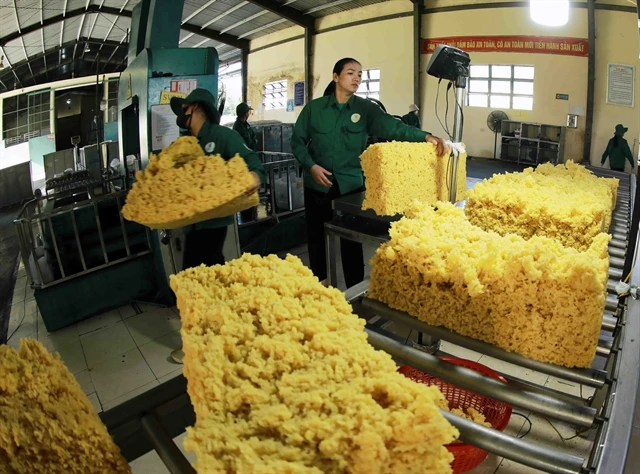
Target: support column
{"points": [[245, 74], [591, 78], [105, 97], [308, 64], [417, 49], [52, 111]]}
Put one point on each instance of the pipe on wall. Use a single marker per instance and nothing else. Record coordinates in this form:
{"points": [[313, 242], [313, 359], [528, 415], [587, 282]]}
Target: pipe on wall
{"points": [[591, 78]]}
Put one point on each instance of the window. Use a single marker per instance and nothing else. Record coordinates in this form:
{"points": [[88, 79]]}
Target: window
{"points": [[230, 84], [112, 100], [274, 95], [25, 116], [501, 87], [370, 85]]}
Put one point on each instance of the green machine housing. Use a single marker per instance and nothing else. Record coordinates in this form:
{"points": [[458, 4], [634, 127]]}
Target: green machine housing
{"points": [[107, 261]]}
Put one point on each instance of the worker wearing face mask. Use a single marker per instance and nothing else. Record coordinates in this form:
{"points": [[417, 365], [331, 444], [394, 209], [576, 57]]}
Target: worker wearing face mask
{"points": [[243, 112], [413, 117], [197, 115]]}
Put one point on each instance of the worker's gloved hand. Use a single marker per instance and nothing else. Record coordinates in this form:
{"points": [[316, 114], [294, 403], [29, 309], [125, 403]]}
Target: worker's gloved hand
{"points": [[441, 148], [319, 175]]}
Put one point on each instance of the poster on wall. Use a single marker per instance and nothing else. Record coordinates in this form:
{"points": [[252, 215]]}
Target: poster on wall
{"points": [[298, 93], [163, 126], [166, 96], [620, 84], [184, 86], [290, 105], [564, 46]]}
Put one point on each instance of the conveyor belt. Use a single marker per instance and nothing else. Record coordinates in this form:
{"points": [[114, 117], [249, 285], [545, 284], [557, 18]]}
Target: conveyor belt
{"points": [[605, 374], [152, 419]]}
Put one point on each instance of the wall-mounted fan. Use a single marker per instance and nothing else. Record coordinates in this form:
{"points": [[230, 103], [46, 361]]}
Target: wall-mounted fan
{"points": [[494, 122]]}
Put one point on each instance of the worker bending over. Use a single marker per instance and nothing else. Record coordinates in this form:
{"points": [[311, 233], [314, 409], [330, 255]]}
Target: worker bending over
{"points": [[413, 117], [197, 115], [328, 139], [618, 150]]}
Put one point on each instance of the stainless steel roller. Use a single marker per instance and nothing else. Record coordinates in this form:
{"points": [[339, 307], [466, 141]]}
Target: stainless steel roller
{"points": [[616, 262], [609, 322], [616, 252], [615, 273], [518, 450], [620, 244], [469, 379], [590, 377], [612, 303]]}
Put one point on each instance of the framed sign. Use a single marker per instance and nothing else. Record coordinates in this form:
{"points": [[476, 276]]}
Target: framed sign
{"points": [[621, 84]]}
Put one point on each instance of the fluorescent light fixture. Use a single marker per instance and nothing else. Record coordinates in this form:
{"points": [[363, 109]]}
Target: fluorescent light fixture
{"points": [[549, 12]]}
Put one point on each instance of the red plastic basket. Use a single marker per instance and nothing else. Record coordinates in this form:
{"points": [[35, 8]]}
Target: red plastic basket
{"points": [[466, 456]]}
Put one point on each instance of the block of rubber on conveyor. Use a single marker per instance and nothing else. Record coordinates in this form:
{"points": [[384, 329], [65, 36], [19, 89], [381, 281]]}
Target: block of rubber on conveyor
{"points": [[181, 186], [567, 203], [47, 424], [282, 379], [534, 297], [398, 173]]}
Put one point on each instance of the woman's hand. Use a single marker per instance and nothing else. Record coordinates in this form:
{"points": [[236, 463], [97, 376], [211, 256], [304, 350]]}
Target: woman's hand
{"points": [[256, 184], [319, 175], [441, 148]]}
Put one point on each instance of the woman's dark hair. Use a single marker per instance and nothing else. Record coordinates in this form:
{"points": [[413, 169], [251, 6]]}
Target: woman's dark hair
{"points": [[616, 141], [337, 69]]}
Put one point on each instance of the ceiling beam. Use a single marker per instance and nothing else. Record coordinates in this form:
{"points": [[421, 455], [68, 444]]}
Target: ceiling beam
{"points": [[290, 13], [54, 50], [59, 18], [214, 35]]}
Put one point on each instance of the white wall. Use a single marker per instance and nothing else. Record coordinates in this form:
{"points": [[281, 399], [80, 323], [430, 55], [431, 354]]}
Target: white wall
{"points": [[14, 154]]}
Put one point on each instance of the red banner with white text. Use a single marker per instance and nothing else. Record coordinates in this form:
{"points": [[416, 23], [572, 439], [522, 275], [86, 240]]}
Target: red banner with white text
{"points": [[512, 44]]}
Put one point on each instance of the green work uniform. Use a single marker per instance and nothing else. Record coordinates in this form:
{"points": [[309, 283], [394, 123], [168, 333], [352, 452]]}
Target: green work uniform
{"points": [[219, 140], [246, 132], [412, 120], [334, 136], [618, 154]]}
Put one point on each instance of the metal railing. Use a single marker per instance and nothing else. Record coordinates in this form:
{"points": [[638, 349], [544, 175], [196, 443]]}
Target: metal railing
{"points": [[33, 223]]}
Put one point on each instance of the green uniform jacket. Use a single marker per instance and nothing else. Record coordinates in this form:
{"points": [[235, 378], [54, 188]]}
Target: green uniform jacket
{"points": [[412, 119], [334, 137], [618, 155], [246, 132], [218, 140]]}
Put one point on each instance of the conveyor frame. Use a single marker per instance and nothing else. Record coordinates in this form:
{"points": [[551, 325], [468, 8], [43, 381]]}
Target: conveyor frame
{"points": [[150, 420]]}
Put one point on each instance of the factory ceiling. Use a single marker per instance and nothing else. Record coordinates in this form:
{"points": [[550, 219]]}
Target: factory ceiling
{"points": [[48, 40]]}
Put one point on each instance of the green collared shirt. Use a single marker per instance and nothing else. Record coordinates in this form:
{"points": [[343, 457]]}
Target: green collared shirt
{"points": [[246, 132], [217, 140], [334, 137]]}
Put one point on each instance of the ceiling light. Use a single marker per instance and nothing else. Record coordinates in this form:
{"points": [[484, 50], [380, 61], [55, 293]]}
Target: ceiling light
{"points": [[86, 48], [549, 12], [68, 101]]}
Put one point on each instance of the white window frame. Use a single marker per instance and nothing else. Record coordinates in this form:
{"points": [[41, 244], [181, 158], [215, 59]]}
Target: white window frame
{"points": [[274, 95], [364, 90], [511, 95]]}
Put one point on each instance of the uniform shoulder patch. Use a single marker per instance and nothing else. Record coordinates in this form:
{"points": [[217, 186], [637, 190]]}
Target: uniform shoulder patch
{"points": [[209, 147]]}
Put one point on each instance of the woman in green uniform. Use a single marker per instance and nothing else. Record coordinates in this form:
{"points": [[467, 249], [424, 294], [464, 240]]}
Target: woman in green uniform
{"points": [[328, 139], [618, 150], [197, 115]]}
